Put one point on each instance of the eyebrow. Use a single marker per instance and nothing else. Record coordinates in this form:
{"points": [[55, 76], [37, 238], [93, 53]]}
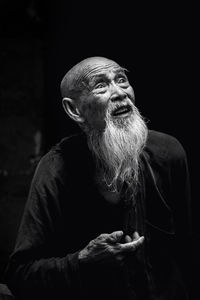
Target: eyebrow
{"points": [[96, 78]]}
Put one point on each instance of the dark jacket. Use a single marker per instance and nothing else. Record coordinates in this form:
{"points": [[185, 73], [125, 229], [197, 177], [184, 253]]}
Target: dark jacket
{"points": [[65, 211]]}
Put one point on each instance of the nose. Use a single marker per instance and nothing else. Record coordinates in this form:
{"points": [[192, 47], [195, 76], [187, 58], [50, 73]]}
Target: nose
{"points": [[117, 93]]}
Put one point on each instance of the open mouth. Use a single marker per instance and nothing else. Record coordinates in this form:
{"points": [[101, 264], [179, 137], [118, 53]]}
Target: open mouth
{"points": [[122, 110]]}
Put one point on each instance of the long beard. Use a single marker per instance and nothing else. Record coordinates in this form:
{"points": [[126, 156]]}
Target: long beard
{"points": [[118, 148]]}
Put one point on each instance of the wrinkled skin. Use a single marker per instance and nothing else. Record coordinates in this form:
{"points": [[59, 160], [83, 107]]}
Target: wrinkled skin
{"points": [[98, 85], [95, 87], [109, 248]]}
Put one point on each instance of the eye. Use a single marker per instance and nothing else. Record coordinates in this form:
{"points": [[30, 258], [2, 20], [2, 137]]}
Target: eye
{"points": [[122, 80], [100, 85]]}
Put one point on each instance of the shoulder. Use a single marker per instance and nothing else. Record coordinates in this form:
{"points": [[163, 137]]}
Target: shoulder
{"points": [[61, 157], [163, 146]]}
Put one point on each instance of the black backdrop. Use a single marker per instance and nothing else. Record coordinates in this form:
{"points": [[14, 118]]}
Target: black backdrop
{"points": [[159, 46], [157, 43]]}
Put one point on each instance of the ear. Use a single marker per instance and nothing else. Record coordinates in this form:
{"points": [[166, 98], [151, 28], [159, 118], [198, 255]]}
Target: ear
{"points": [[72, 110]]}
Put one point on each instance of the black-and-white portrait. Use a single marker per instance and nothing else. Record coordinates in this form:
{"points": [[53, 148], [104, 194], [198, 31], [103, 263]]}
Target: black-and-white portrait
{"points": [[98, 151]]}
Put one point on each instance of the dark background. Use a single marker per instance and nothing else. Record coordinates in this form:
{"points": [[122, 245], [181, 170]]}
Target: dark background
{"points": [[40, 41]]}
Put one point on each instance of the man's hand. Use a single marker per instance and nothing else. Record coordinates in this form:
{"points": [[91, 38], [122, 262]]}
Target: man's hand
{"points": [[107, 247]]}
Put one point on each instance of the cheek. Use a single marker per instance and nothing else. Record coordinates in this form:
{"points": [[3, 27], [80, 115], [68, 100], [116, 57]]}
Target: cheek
{"points": [[86, 109], [94, 114], [131, 95]]}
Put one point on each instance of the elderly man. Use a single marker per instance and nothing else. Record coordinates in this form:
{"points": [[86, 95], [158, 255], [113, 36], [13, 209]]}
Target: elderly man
{"points": [[107, 214]]}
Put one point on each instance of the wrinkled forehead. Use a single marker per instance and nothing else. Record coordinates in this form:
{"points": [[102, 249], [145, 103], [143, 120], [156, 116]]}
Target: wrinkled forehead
{"points": [[95, 67], [81, 74]]}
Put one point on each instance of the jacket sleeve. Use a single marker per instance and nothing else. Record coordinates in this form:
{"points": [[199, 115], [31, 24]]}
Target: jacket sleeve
{"points": [[40, 266]]}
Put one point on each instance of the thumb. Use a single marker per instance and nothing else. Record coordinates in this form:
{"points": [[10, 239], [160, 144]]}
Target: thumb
{"points": [[115, 236]]}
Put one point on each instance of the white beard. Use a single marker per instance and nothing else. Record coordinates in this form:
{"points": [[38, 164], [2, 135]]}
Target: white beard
{"points": [[118, 148]]}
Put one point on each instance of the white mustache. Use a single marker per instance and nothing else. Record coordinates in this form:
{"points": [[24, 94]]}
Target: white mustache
{"points": [[113, 106]]}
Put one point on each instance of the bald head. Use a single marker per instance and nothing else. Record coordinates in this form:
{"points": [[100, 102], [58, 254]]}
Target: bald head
{"points": [[76, 78]]}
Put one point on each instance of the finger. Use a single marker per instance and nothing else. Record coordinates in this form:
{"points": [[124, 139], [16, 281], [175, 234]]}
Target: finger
{"points": [[136, 235], [102, 237], [128, 239], [120, 260], [119, 257], [132, 246], [115, 236]]}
